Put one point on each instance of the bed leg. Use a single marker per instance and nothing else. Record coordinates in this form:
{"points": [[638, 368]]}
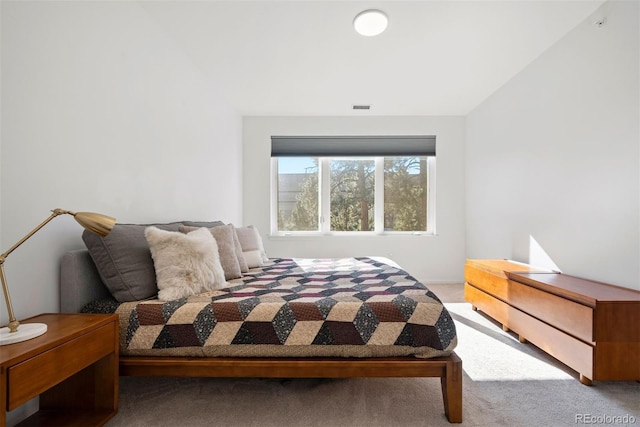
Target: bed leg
{"points": [[452, 389]]}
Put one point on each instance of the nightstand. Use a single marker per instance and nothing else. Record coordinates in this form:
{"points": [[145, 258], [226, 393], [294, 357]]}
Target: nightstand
{"points": [[73, 367]]}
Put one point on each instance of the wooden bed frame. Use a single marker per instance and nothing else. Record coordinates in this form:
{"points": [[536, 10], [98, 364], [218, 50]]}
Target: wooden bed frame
{"points": [[448, 369], [80, 283]]}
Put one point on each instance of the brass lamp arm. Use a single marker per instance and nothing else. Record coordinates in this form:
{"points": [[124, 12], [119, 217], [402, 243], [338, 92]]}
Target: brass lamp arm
{"points": [[13, 323], [94, 222], [54, 213]]}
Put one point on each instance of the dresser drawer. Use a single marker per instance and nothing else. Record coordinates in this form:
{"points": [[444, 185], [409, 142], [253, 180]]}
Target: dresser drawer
{"points": [[569, 350], [493, 283], [30, 378], [568, 316]]}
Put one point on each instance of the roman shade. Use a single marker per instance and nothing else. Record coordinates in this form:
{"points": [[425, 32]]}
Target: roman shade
{"points": [[353, 146]]}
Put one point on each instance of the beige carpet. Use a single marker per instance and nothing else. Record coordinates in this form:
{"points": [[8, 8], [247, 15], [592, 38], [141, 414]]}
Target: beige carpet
{"points": [[505, 384]]}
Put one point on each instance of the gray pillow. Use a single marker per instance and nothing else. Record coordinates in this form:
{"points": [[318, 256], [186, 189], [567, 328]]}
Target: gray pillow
{"points": [[239, 254], [124, 262], [206, 224], [223, 235]]}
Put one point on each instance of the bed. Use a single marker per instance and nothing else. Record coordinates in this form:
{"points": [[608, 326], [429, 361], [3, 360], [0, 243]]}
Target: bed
{"points": [[290, 318]]}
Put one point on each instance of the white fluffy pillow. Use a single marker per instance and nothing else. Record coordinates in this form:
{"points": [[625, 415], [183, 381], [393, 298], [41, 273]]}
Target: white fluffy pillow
{"points": [[185, 264]]}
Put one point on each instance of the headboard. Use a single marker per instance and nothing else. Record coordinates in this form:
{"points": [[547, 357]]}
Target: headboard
{"points": [[80, 282]]}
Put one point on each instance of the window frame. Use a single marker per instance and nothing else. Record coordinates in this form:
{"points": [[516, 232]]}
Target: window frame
{"points": [[324, 200]]}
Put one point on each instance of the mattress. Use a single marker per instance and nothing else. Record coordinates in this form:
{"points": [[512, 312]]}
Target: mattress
{"points": [[290, 307]]}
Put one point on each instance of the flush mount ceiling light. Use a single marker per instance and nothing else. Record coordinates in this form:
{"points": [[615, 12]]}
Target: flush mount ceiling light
{"points": [[370, 22]]}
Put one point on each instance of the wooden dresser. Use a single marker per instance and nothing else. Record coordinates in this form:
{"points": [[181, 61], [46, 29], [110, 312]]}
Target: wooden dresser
{"points": [[592, 327]]}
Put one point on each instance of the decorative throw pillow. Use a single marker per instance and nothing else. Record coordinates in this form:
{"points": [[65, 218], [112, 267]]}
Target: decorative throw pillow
{"points": [[243, 262], [185, 264], [123, 260], [263, 253], [249, 240], [226, 249]]}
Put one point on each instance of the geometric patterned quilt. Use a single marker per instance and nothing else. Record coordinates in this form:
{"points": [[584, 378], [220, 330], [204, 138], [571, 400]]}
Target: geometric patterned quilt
{"points": [[348, 307]]}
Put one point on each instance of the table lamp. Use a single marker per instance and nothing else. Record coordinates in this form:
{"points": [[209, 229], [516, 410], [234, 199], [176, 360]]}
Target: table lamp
{"points": [[15, 332]]}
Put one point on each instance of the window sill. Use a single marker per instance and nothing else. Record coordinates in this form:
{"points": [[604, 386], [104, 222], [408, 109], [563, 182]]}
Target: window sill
{"points": [[349, 234]]}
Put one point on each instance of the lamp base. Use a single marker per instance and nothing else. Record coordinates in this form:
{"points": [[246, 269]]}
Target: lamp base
{"points": [[26, 331]]}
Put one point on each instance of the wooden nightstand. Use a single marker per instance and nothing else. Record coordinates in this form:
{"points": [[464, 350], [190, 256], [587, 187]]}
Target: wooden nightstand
{"points": [[73, 367]]}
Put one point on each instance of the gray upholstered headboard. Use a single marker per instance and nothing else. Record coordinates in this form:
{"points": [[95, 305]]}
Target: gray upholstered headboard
{"points": [[80, 282]]}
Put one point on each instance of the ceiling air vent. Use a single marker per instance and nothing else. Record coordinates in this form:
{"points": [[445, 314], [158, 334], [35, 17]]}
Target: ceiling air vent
{"points": [[361, 107]]}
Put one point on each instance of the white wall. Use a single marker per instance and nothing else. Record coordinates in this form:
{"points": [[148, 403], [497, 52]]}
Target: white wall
{"points": [[431, 259], [102, 112], [554, 155]]}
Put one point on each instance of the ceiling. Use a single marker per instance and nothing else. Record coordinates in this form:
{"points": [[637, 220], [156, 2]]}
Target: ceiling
{"points": [[304, 57]]}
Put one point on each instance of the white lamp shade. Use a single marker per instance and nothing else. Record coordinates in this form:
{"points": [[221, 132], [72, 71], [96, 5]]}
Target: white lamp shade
{"points": [[370, 22]]}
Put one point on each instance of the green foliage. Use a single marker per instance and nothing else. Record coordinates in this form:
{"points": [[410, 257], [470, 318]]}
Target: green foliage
{"points": [[405, 194], [304, 216], [352, 195]]}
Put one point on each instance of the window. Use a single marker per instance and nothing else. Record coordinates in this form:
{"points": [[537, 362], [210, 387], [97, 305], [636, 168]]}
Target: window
{"points": [[352, 193], [297, 194]]}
